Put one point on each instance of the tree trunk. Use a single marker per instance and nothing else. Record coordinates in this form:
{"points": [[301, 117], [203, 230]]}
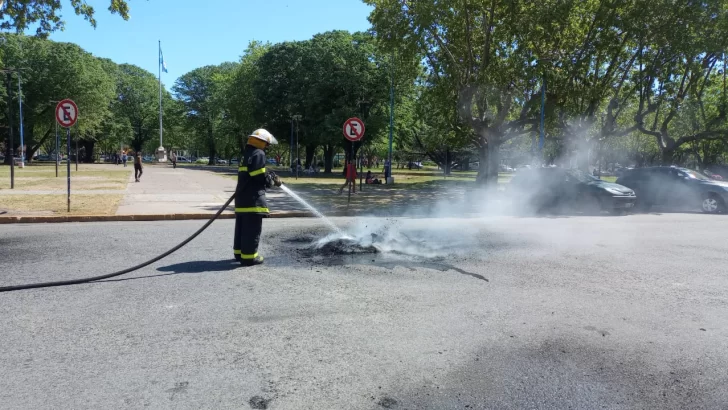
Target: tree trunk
{"points": [[88, 148], [668, 155], [8, 154], [489, 158], [328, 158], [310, 152], [448, 162], [211, 144]]}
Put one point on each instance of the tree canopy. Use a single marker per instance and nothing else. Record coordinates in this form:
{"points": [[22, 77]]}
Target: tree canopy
{"points": [[20, 15]]}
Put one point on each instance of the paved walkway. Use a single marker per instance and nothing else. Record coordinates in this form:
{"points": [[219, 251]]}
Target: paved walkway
{"points": [[164, 190], [62, 192]]}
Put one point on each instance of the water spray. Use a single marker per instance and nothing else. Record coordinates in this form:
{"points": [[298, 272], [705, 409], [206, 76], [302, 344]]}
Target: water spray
{"points": [[312, 209]]}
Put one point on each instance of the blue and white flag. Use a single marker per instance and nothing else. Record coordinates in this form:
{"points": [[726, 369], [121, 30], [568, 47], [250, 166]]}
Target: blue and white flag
{"points": [[161, 60]]}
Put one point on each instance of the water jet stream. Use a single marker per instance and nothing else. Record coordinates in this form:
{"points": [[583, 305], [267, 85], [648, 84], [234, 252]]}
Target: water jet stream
{"points": [[312, 209]]}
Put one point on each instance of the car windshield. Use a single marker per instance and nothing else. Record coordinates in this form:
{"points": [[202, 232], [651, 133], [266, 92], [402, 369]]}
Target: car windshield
{"points": [[580, 175], [694, 174]]}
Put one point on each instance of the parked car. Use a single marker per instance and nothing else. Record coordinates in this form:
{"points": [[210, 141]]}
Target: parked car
{"points": [[182, 159], [554, 189], [234, 161], [220, 161], [147, 158], [676, 187]]}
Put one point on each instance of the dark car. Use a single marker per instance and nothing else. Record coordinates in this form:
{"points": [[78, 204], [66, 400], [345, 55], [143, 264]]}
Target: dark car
{"points": [[544, 189], [676, 187]]}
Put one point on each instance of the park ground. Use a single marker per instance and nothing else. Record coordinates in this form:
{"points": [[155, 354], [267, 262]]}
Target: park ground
{"points": [[578, 312], [103, 189], [107, 189]]}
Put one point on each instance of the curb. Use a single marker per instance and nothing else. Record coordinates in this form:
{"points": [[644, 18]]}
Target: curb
{"points": [[129, 218]]}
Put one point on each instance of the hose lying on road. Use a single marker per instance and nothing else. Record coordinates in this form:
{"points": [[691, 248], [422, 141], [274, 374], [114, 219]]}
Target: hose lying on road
{"points": [[121, 272]]}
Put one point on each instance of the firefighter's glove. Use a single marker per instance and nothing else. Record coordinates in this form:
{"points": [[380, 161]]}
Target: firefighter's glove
{"points": [[271, 180], [277, 180]]}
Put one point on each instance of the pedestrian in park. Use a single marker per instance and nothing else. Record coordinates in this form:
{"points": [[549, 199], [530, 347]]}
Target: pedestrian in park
{"points": [[250, 203], [138, 166], [173, 158], [124, 158], [350, 173]]}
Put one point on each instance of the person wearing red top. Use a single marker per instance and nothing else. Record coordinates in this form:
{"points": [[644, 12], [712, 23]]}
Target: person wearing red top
{"points": [[350, 177]]}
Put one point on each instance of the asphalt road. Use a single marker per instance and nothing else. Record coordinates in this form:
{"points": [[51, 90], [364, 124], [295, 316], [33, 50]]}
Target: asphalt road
{"points": [[498, 313]]}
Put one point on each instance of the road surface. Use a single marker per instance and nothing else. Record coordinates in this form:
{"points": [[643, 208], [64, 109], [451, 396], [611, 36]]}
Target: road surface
{"points": [[492, 313]]}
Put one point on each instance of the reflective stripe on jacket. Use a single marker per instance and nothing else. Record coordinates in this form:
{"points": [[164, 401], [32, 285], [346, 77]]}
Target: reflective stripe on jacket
{"points": [[250, 192]]}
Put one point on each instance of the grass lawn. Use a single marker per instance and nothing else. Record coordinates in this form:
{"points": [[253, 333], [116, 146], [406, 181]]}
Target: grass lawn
{"points": [[88, 177], [56, 204]]}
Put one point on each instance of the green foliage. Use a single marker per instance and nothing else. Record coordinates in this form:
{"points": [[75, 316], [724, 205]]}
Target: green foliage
{"points": [[202, 93], [19, 15], [51, 72]]}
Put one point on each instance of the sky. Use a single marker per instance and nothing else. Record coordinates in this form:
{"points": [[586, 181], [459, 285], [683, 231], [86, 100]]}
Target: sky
{"points": [[198, 33]]}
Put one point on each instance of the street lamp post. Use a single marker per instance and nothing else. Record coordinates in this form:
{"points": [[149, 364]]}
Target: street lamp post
{"points": [[10, 130], [297, 119], [388, 173], [20, 113]]}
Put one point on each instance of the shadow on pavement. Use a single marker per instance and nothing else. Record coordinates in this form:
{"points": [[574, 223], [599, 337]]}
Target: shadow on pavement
{"points": [[201, 266], [188, 267]]}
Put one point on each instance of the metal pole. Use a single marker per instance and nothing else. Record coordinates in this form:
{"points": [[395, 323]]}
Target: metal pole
{"points": [[361, 163], [77, 150], [160, 93], [543, 104], [291, 144], [298, 151], [347, 164], [22, 141], [68, 165], [57, 153], [391, 115], [10, 128]]}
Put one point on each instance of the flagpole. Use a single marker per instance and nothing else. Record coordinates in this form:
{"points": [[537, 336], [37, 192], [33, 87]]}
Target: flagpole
{"points": [[159, 55]]}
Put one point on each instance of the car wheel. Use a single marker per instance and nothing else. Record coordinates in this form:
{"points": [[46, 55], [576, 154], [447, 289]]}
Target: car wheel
{"points": [[642, 206], [591, 205], [712, 204]]}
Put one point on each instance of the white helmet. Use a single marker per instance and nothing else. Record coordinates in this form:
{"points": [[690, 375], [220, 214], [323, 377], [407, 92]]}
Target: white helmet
{"points": [[264, 135]]}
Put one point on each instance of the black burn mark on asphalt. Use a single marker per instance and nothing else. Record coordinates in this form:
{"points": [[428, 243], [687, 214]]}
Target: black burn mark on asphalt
{"points": [[571, 372], [258, 403], [180, 387], [344, 252]]}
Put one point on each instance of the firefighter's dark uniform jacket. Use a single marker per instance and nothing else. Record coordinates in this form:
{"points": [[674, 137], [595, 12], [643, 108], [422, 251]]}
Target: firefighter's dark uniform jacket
{"points": [[250, 203]]}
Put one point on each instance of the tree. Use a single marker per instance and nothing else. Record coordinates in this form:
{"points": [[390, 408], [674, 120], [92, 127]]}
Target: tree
{"points": [[479, 50], [240, 96], [19, 15], [59, 70], [437, 130], [332, 77], [681, 99], [137, 102], [202, 91]]}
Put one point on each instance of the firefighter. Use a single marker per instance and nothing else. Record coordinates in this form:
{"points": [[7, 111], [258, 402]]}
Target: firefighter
{"points": [[250, 203]]}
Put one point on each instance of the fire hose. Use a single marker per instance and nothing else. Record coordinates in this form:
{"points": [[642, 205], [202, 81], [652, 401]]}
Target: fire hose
{"points": [[121, 272]]}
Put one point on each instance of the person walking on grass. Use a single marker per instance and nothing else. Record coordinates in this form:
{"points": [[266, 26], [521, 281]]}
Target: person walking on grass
{"points": [[173, 158], [138, 166]]}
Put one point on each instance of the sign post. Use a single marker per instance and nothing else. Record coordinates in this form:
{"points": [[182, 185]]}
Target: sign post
{"points": [[353, 131], [66, 116]]}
